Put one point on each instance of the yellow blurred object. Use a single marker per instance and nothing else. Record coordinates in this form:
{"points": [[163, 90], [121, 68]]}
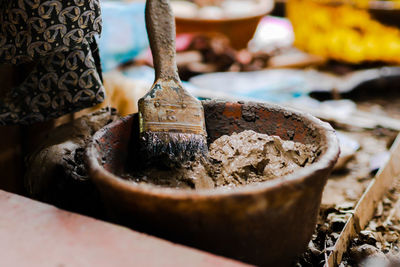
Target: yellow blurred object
{"points": [[344, 30]]}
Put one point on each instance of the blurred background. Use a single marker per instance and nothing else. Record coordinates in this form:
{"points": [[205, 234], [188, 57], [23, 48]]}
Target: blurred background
{"points": [[297, 52]]}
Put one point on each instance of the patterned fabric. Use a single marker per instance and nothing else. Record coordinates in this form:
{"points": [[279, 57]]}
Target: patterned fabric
{"points": [[58, 37]]}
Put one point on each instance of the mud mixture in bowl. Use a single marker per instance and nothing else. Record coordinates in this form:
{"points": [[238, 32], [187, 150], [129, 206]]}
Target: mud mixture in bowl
{"points": [[235, 160]]}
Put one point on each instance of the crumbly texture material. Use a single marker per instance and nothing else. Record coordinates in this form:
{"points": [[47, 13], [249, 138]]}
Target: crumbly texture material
{"points": [[235, 160], [55, 172]]}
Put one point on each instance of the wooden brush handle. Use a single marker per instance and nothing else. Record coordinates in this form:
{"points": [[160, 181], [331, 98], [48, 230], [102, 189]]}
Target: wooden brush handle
{"points": [[160, 24], [167, 107]]}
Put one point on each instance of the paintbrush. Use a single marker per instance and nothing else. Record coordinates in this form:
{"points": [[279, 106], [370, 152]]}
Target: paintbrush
{"points": [[171, 121]]}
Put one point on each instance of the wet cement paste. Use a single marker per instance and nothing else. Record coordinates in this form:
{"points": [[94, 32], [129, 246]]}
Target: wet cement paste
{"points": [[235, 160]]}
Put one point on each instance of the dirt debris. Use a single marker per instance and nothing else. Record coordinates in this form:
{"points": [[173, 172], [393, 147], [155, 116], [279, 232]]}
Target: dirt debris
{"points": [[331, 221], [379, 242], [56, 173], [378, 245], [343, 190]]}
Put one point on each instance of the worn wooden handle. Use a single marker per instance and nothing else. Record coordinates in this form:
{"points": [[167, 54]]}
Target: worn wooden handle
{"points": [[167, 107], [160, 24]]}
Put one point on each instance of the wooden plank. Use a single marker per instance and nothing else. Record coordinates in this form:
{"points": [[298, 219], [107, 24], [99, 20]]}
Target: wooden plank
{"points": [[342, 243], [365, 208], [377, 188], [36, 234]]}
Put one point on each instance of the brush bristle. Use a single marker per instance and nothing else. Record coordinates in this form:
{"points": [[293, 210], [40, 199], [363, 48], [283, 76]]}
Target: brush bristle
{"points": [[172, 149]]}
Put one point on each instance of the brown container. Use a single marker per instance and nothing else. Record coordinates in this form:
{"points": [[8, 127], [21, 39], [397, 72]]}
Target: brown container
{"points": [[264, 224], [239, 30]]}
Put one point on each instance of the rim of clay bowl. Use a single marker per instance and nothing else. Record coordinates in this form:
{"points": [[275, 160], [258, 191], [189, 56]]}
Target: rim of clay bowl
{"points": [[265, 8], [327, 158]]}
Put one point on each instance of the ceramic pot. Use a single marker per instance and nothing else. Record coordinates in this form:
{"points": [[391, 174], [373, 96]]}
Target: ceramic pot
{"points": [[265, 224]]}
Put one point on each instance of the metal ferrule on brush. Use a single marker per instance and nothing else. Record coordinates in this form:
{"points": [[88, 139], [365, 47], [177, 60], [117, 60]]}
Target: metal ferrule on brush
{"points": [[158, 113], [171, 123]]}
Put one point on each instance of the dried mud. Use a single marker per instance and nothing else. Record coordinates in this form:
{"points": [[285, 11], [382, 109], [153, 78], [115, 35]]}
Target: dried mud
{"points": [[235, 160]]}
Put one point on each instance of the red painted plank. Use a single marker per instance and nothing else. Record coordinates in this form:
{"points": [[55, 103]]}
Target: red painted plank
{"points": [[37, 234]]}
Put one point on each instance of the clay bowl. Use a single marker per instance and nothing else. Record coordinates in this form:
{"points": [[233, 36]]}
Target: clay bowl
{"points": [[239, 30], [265, 224]]}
